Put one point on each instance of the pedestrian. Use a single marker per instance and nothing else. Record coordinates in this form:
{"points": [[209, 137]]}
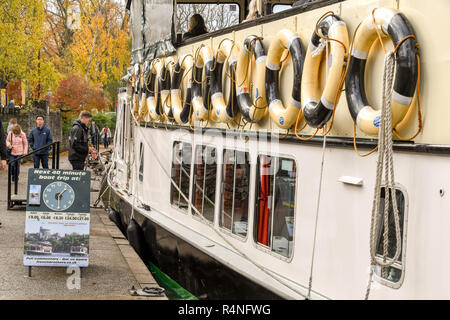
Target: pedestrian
{"points": [[38, 138], [12, 122], [79, 141], [94, 131], [11, 104], [106, 135], [3, 150], [16, 141]]}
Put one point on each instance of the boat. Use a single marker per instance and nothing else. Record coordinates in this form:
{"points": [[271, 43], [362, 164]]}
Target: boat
{"points": [[80, 250], [40, 248], [320, 186]]}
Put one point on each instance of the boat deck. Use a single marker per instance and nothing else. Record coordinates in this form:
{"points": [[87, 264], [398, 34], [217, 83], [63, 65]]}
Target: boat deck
{"points": [[114, 266]]}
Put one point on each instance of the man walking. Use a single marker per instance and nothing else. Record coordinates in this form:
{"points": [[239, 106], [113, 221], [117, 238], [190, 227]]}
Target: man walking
{"points": [[94, 131], [39, 137], [79, 141]]}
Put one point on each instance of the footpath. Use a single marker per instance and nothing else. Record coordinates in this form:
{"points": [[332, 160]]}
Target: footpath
{"points": [[114, 266]]}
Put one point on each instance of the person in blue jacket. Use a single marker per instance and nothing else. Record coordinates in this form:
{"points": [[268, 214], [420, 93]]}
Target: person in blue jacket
{"points": [[39, 137]]}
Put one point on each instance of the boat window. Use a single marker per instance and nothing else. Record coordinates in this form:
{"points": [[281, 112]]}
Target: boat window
{"points": [[275, 203], [181, 168], [235, 191], [280, 7], [141, 162], [394, 272], [205, 168], [216, 15]]}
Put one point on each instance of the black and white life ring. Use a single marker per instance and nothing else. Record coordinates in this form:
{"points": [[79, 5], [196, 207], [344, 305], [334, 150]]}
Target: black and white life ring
{"points": [[394, 24], [284, 117], [252, 108]]}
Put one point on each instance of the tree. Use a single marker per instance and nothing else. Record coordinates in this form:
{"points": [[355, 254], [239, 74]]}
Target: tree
{"points": [[22, 32], [75, 93], [100, 49]]}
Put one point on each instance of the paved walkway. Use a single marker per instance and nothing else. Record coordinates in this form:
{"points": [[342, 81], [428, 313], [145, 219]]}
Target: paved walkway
{"points": [[114, 266]]}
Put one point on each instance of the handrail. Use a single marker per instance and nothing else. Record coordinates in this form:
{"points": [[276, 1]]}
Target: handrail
{"points": [[55, 165], [34, 151]]}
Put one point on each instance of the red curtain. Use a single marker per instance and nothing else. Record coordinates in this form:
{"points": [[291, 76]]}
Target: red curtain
{"points": [[263, 223]]}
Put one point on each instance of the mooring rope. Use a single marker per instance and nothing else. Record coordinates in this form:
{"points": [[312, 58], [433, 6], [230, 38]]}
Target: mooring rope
{"points": [[386, 162]]}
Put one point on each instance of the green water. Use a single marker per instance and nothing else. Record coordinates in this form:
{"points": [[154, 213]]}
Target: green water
{"points": [[173, 290]]}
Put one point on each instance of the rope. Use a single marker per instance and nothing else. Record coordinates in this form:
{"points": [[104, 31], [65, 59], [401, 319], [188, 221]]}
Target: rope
{"points": [[317, 217], [256, 264], [386, 163]]}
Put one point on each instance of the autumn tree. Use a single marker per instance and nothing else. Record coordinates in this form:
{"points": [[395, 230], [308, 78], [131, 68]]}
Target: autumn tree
{"points": [[100, 49], [21, 37], [75, 93]]}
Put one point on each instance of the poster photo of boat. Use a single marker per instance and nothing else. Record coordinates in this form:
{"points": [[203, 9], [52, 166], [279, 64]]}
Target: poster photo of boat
{"points": [[56, 240]]}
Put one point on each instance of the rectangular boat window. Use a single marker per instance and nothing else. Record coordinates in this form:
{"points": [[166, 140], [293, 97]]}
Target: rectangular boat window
{"points": [[181, 170], [141, 162], [235, 191], [216, 15], [205, 168], [275, 203], [392, 273]]}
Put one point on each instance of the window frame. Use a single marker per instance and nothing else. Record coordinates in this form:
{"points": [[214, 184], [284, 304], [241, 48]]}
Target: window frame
{"points": [[249, 217], [188, 209], [402, 265], [256, 244], [218, 156]]}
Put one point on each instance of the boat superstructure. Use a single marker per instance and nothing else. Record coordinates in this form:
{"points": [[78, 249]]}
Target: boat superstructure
{"points": [[274, 199]]}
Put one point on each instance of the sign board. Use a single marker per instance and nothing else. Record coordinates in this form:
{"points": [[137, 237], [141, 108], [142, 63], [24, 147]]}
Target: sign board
{"points": [[57, 218]]}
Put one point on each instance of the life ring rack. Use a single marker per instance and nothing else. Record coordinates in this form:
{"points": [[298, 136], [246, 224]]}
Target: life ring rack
{"points": [[394, 24], [285, 39]]}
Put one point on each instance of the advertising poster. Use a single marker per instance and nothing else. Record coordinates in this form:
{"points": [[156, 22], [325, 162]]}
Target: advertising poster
{"points": [[57, 218]]}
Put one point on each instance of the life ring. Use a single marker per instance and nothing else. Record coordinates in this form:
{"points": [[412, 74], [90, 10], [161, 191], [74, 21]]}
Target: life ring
{"points": [[203, 60], [285, 39], [251, 111], [181, 111], [154, 101], [164, 85], [135, 89], [317, 109], [143, 107], [394, 24], [224, 112]]}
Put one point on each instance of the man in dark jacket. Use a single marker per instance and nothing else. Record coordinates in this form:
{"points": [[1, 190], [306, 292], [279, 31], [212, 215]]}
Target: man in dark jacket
{"points": [[39, 137], [79, 141]]}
